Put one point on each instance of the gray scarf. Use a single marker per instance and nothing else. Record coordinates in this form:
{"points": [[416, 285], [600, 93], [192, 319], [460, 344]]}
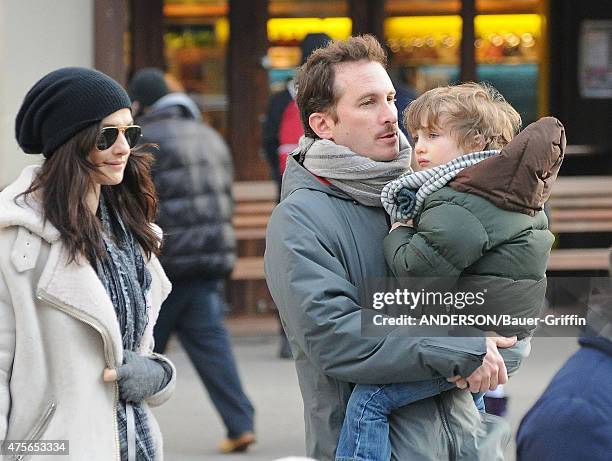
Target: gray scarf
{"points": [[403, 198], [126, 280], [359, 177]]}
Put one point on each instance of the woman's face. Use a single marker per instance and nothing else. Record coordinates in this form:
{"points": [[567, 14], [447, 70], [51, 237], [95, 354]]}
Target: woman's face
{"points": [[111, 162]]}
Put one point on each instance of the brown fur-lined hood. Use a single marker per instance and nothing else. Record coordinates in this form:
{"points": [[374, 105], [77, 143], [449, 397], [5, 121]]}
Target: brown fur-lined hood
{"points": [[521, 177]]}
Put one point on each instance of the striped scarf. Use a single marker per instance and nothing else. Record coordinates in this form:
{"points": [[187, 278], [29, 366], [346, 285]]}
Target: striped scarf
{"points": [[403, 198], [126, 280]]}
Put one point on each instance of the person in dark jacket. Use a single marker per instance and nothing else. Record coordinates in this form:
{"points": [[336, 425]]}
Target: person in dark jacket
{"points": [[281, 132], [324, 241], [280, 118], [193, 176], [573, 418]]}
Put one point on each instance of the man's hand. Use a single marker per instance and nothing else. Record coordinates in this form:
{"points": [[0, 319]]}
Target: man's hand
{"points": [[397, 224], [493, 369]]}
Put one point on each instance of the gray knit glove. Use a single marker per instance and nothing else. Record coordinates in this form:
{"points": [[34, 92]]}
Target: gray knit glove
{"points": [[140, 377]]}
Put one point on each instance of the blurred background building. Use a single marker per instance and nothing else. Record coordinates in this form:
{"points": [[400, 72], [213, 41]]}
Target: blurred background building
{"points": [[548, 57]]}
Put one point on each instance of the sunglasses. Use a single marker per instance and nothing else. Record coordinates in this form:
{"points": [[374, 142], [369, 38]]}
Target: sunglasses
{"points": [[108, 136]]}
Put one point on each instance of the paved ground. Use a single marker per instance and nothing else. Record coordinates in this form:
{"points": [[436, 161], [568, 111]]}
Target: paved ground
{"points": [[192, 429]]}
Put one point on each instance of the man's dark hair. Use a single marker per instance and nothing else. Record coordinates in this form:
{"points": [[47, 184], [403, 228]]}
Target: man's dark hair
{"points": [[315, 79]]}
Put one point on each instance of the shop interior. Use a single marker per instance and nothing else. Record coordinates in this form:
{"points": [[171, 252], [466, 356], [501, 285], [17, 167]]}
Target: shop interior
{"points": [[423, 38]]}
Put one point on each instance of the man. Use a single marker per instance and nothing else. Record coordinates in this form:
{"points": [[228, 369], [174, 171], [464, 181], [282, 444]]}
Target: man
{"points": [[324, 241], [193, 177]]}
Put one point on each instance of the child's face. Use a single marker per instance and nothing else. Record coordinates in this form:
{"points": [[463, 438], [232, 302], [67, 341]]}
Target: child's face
{"points": [[435, 146]]}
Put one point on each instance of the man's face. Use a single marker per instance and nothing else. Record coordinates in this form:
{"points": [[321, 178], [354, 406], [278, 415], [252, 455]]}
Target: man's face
{"points": [[366, 113]]}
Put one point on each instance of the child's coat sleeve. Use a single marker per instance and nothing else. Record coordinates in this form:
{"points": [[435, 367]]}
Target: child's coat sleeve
{"points": [[448, 238]]}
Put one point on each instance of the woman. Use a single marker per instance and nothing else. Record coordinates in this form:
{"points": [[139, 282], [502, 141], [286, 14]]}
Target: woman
{"points": [[80, 285]]}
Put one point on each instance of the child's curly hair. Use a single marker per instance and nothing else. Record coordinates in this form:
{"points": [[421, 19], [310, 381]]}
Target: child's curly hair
{"points": [[467, 110]]}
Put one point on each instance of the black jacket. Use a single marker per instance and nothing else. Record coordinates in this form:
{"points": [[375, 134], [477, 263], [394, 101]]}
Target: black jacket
{"points": [[193, 175]]}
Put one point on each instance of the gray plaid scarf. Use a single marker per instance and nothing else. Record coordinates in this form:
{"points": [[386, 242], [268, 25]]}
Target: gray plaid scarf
{"points": [[359, 177], [403, 198], [126, 280]]}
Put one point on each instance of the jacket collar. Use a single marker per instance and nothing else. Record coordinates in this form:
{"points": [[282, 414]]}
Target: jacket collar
{"points": [[62, 285], [76, 290], [25, 213], [297, 177]]}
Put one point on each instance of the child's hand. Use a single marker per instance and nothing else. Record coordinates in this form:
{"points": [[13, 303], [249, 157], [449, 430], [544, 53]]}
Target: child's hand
{"points": [[397, 224]]}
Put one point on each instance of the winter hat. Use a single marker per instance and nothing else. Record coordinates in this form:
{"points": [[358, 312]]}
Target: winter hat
{"points": [[313, 42], [147, 86], [61, 104]]}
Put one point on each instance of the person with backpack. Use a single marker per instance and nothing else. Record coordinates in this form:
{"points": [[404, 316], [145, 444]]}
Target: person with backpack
{"points": [[281, 133], [283, 127]]}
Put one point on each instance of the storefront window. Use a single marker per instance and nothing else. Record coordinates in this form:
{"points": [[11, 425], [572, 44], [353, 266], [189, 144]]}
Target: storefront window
{"points": [[195, 39], [290, 21], [509, 47]]}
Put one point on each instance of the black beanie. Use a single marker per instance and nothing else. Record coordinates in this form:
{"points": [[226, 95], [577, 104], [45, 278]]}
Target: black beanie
{"points": [[313, 42], [62, 103], [147, 86]]}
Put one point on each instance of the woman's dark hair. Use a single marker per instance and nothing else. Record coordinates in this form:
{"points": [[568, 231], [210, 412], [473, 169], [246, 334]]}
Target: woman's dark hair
{"points": [[63, 184]]}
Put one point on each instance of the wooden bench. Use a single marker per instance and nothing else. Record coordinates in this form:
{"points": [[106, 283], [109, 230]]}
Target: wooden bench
{"points": [[249, 268], [254, 202], [581, 204], [247, 291]]}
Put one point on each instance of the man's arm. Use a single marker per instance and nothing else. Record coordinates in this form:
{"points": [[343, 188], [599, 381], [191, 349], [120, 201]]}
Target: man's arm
{"points": [[320, 307]]}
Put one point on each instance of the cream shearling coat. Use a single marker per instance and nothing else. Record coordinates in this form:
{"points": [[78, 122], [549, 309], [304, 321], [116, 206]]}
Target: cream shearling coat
{"points": [[58, 331]]}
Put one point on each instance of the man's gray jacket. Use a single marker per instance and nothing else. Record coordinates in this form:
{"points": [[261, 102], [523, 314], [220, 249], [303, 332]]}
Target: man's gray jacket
{"points": [[320, 248]]}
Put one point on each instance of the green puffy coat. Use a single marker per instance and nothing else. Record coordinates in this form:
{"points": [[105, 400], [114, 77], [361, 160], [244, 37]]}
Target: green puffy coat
{"points": [[486, 230]]}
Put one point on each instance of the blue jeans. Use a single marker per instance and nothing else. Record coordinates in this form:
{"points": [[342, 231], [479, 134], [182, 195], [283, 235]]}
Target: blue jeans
{"points": [[194, 310], [365, 432]]}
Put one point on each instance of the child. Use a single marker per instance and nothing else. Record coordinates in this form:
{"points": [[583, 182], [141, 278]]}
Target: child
{"points": [[477, 215]]}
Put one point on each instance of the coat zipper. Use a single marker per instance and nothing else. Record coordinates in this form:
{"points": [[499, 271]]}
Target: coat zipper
{"points": [[40, 427], [452, 443], [107, 355], [57, 304]]}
